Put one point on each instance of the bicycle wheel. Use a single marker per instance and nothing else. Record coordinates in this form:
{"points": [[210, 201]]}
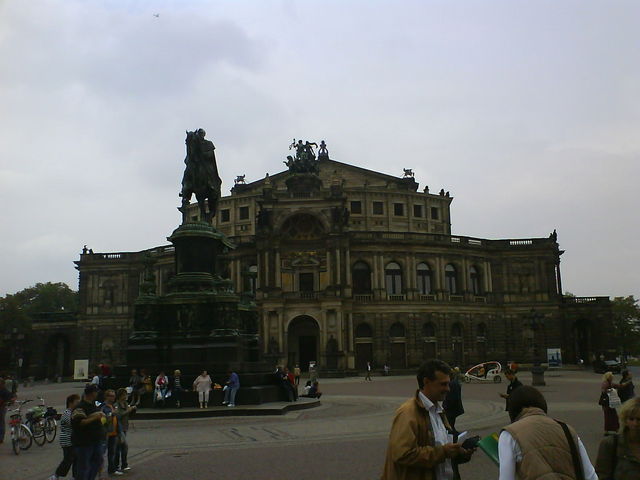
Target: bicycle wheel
{"points": [[14, 440], [37, 430], [24, 437], [50, 429]]}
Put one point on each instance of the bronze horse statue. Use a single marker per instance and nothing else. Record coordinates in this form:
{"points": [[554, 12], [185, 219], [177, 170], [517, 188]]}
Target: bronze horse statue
{"points": [[200, 176]]}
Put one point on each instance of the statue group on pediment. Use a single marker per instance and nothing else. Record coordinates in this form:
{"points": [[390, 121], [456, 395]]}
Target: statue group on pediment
{"points": [[305, 160]]}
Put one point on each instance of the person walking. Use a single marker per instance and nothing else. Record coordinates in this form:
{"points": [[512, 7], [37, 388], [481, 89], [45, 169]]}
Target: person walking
{"points": [[111, 431], [514, 383], [87, 435], [202, 385], [123, 411], [6, 397], [535, 446], [368, 374], [627, 389], [233, 385], [619, 455], [611, 424], [68, 455], [452, 403], [420, 446]]}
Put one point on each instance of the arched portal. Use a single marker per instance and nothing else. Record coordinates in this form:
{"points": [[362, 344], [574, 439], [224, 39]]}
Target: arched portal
{"points": [[303, 341]]}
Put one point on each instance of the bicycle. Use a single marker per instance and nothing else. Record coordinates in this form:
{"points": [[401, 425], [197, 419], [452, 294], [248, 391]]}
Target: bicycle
{"points": [[50, 421], [36, 423], [21, 436]]}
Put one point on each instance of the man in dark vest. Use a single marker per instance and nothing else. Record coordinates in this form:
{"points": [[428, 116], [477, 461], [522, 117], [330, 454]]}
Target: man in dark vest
{"points": [[88, 435]]}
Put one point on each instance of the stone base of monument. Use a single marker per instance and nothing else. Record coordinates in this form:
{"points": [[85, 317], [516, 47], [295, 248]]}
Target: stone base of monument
{"points": [[219, 410]]}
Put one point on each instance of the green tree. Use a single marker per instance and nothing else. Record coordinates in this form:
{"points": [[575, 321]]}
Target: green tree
{"points": [[18, 310], [626, 324]]}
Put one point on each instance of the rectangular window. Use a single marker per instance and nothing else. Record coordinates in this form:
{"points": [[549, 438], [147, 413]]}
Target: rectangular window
{"points": [[356, 207], [434, 213], [224, 215], [306, 282], [244, 213], [417, 211], [398, 209], [378, 208]]}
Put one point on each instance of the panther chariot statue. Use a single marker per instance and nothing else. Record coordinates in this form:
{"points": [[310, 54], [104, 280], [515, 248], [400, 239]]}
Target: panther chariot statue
{"points": [[200, 176]]}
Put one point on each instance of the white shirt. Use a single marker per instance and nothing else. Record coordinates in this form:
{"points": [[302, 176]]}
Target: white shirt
{"points": [[444, 471], [510, 453]]}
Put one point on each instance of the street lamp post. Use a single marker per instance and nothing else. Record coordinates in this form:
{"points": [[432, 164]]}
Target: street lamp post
{"points": [[536, 323]]}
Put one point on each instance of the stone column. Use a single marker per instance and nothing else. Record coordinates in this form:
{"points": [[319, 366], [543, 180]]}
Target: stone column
{"points": [[278, 282]]}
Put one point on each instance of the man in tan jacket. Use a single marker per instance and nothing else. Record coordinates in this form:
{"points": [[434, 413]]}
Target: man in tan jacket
{"points": [[420, 445]]}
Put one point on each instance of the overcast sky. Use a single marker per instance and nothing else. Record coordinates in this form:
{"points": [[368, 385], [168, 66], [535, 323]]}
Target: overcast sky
{"points": [[528, 112]]}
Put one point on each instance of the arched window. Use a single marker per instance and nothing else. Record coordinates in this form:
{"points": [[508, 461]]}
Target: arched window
{"points": [[428, 330], [481, 332], [302, 226], [423, 274], [397, 330], [361, 278], [474, 281], [393, 278], [450, 278], [364, 330], [251, 279]]}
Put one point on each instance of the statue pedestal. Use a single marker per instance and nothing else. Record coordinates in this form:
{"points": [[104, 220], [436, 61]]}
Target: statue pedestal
{"points": [[200, 323]]}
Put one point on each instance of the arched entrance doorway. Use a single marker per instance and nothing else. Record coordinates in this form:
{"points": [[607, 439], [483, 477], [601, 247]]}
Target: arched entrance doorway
{"points": [[303, 341]]}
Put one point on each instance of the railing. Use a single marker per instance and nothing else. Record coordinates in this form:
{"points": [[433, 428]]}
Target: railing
{"points": [[427, 298], [585, 299], [456, 298], [447, 239], [521, 242], [480, 299], [308, 295], [396, 298], [363, 297]]}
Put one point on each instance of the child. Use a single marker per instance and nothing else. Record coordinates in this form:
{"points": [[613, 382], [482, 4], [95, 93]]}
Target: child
{"points": [[68, 456]]}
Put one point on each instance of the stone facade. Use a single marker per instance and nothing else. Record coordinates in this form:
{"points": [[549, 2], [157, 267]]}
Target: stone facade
{"points": [[348, 265]]}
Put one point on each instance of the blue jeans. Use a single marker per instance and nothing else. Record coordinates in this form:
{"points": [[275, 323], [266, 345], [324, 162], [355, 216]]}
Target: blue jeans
{"points": [[230, 395], [88, 461]]}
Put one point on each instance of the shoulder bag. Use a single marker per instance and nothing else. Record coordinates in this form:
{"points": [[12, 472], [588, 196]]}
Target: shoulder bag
{"points": [[577, 464]]}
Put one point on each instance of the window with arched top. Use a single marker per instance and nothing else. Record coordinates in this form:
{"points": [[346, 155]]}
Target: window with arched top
{"points": [[364, 330], [393, 278], [251, 279], [397, 330], [361, 277], [428, 330], [474, 280], [423, 277], [481, 332], [451, 279]]}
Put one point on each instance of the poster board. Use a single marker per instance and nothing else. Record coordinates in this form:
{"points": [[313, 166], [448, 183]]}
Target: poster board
{"points": [[80, 369], [554, 357]]}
